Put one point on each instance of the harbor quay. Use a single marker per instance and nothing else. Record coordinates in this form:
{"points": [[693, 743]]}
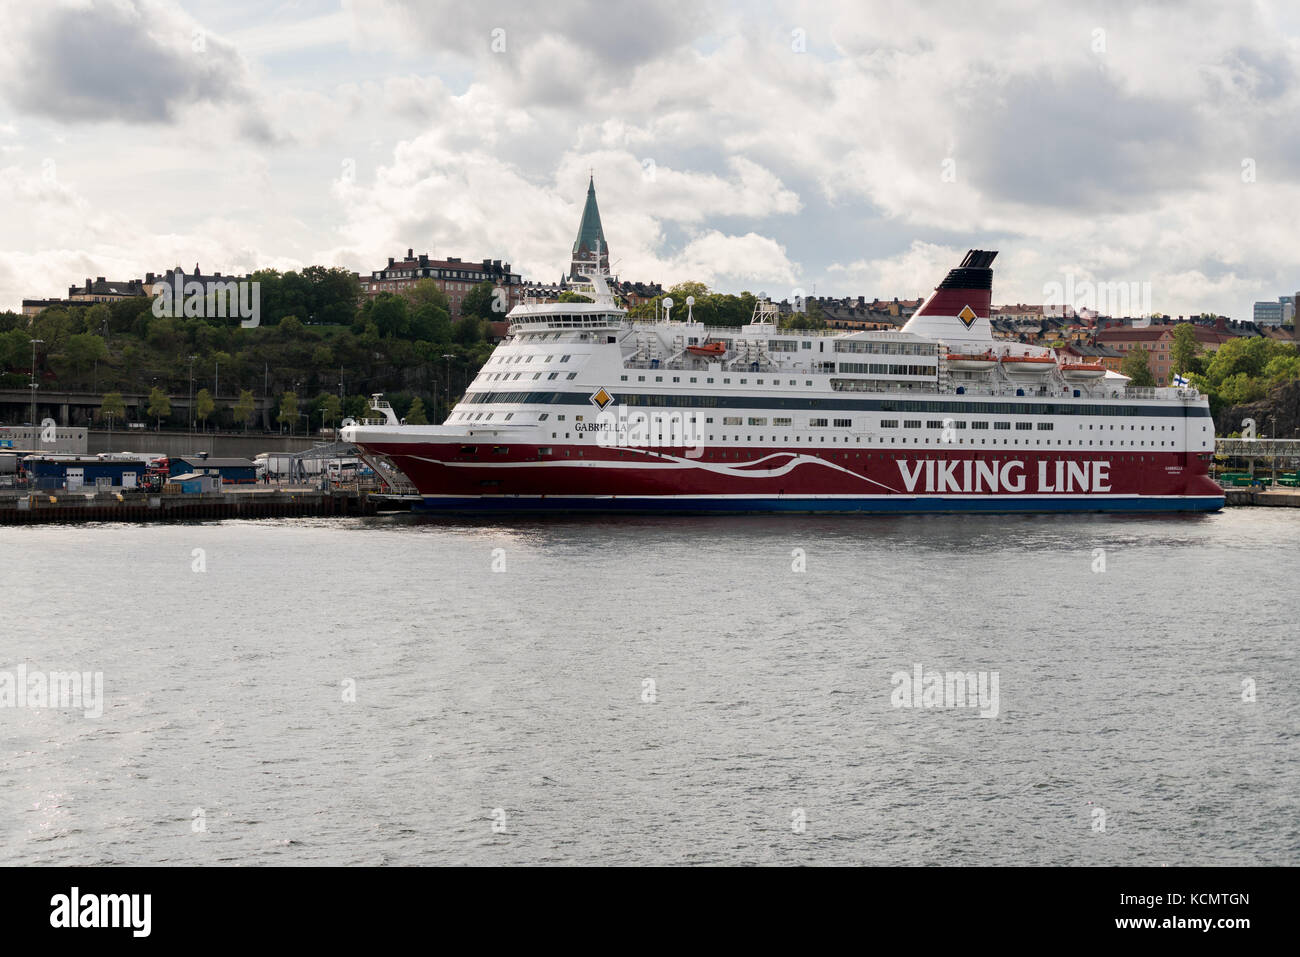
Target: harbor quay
{"points": [[22, 507]]}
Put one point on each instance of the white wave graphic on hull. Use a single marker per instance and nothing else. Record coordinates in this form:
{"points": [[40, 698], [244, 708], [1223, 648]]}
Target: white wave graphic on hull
{"points": [[666, 461]]}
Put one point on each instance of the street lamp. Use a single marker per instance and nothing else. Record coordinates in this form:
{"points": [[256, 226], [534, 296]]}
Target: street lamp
{"points": [[448, 356], [192, 394], [35, 342]]}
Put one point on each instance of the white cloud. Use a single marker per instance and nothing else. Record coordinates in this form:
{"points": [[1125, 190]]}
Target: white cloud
{"points": [[1120, 163]]}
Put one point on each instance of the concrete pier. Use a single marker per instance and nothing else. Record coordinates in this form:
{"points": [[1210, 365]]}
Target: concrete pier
{"points": [[26, 508], [1276, 498]]}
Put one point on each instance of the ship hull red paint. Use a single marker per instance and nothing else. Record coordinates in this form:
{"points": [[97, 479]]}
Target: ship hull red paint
{"points": [[851, 478]]}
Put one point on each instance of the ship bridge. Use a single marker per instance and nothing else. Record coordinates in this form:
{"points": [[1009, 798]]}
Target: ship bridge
{"points": [[564, 317]]}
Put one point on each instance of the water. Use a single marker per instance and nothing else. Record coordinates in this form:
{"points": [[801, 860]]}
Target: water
{"points": [[515, 698]]}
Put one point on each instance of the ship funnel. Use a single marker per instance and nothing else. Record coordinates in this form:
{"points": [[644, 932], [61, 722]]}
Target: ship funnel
{"points": [[958, 309]]}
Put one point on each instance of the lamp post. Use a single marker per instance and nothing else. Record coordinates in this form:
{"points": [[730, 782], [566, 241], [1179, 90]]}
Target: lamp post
{"points": [[448, 356], [192, 395], [35, 342]]}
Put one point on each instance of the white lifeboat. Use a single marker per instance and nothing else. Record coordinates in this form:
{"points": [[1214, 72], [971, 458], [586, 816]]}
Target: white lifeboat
{"points": [[1028, 367], [1079, 371], [978, 362]]}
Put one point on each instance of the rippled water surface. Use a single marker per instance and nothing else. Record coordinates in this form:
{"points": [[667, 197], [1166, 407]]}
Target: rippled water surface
{"points": [[518, 698]]}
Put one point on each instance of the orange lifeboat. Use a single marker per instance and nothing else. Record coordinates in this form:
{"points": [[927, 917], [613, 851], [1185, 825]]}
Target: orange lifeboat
{"points": [[1028, 365], [971, 363], [712, 349], [1083, 370]]}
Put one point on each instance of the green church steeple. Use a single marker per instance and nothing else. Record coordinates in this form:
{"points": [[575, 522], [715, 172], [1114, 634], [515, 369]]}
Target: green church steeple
{"points": [[590, 236]]}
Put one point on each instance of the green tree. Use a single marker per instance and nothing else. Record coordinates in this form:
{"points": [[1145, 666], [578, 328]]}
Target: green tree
{"points": [[84, 350], [469, 330], [203, 406], [428, 291], [680, 291], [15, 350], [415, 415], [431, 323], [159, 407], [1281, 368], [244, 407], [330, 407], [482, 301], [288, 410], [390, 314], [1136, 366], [1184, 348], [112, 406], [98, 319], [568, 296]]}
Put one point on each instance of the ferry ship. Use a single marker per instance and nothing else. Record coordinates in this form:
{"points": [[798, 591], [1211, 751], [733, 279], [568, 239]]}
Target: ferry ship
{"points": [[582, 408]]}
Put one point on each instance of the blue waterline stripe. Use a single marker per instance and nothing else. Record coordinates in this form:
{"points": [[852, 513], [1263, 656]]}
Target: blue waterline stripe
{"points": [[891, 504]]}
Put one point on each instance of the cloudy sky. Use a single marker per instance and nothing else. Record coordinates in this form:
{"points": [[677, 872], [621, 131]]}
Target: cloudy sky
{"points": [[851, 149]]}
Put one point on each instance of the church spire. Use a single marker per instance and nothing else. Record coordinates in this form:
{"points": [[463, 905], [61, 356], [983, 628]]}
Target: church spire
{"points": [[590, 236]]}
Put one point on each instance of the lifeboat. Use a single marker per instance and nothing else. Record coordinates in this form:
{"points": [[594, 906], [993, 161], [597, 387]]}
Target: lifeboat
{"points": [[1083, 370], [971, 363], [1028, 366], [713, 349]]}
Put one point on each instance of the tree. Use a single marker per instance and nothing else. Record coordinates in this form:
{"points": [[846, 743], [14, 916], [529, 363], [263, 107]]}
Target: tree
{"points": [[330, 407], [203, 406], [83, 350], [112, 407], [680, 291], [1184, 347], [428, 291], [482, 301], [468, 331], [97, 319], [244, 407], [288, 410], [568, 296], [1137, 367], [159, 407], [415, 415], [431, 323], [389, 314], [15, 350]]}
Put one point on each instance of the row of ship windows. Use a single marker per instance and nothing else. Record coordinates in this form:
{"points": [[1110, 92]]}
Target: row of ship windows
{"points": [[873, 369], [528, 358], [698, 402], [894, 440], [886, 348], [505, 376], [820, 423], [709, 380]]}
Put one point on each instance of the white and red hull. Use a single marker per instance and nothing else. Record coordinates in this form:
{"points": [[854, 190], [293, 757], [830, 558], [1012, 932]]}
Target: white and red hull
{"points": [[490, 475]]}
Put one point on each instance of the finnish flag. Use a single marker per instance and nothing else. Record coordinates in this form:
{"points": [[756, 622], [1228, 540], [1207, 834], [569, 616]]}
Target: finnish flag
{"points": [[1180, 380]]}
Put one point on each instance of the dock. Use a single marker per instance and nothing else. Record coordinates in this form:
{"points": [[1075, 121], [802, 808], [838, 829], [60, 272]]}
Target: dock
{"points": [[23, 507], [1274, 497]]}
